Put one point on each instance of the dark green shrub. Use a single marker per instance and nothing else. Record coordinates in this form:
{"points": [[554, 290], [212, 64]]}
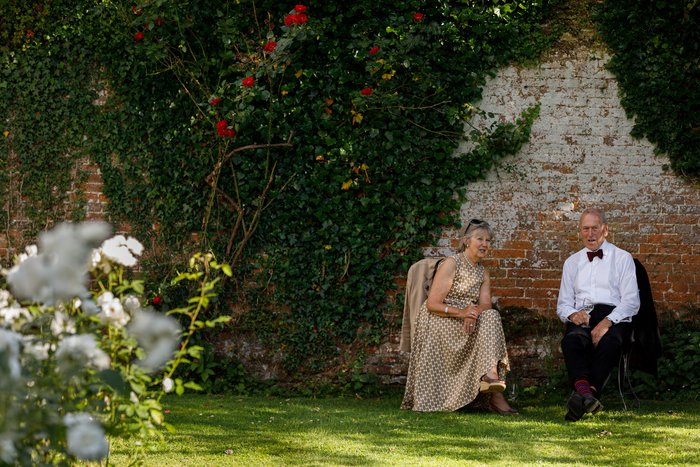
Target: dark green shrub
{"points": [[679, 367]]}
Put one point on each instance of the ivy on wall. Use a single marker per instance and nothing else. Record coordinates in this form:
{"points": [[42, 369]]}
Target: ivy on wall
{"points": [[46, 106], [310, 145], [656, 60]]}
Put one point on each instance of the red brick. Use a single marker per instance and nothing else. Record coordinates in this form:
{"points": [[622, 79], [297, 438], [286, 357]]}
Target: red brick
{"points": [[690, 259], [510, 301], [648, 248], [508, 292], [542, 293], [508, 253], [531, 273], [547, 283], [518, 244], [680, 297]]}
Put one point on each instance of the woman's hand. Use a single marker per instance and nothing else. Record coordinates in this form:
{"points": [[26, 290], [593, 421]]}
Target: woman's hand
{"points": [[471, 314], [469, 325]]}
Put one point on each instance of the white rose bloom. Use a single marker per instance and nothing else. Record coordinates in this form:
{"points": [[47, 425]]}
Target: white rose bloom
{"points": [[29, 250], [122, 250], [85, 437], [111, 310], [98, 261], [134, 245], [9, 356], [94, 233], [5, 297], [58, 273], [14, 316], [131, 304], [89, 307], [27, 279], [62, 324], [158, 335], [8, 453], [34, 348], [168, 385], [79, 351]]}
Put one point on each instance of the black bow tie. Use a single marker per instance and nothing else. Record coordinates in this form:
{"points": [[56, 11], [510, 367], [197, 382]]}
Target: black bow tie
{"points": [[593, 254]]}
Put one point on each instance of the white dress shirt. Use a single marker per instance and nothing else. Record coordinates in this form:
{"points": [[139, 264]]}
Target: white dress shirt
{"points": [[611, 280]]}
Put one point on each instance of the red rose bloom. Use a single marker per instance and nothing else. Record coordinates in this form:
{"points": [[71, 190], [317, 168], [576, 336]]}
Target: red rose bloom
{"points": [[156, 300], [248, 81], [367, 91], [270, 46], [418, 17], [159, 21], [215, 101], [300, 9], [138, 36], [373, 50], [223, 130], [295, 18]]}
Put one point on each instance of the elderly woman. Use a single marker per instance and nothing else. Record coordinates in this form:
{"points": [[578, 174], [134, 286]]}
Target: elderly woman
{"points": [[458, 352]]}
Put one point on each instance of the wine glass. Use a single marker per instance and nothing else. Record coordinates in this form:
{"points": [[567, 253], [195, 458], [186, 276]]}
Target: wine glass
{"points": [[587, 306]]}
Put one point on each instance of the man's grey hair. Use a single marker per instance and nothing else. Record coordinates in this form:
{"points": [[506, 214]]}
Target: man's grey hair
{"points": [[596, 212]]}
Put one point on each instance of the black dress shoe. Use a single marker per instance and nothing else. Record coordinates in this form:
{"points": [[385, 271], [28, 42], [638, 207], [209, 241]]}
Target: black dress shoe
{"points": [[579, 405]]}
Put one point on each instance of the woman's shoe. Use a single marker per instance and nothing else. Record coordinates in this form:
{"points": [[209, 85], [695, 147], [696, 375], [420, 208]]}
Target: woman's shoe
{"points": [[507, 413], [491, 385]]}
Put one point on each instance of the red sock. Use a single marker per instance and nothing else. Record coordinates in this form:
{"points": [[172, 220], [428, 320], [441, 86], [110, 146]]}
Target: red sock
{"points": [[583, 387]]}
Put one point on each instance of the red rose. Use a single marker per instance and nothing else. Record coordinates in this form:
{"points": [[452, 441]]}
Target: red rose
{"points": [[367, 91], [223, 130], [215, 101], [138, 36], [159, 21], [373, 50], [418, 17], [156, 300], [295, 18], [136, 11], [300, 9], [248, 81], [270, 46]]}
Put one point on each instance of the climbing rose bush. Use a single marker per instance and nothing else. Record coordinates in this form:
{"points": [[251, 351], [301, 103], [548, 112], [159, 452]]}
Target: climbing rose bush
{"points": [[83, 354]]}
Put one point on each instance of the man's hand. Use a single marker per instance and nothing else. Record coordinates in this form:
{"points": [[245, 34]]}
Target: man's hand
{"points": [[579, 318], [599, 331]]}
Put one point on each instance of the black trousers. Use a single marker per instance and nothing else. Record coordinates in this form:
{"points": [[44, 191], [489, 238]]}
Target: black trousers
{"points": [[583, 360]]}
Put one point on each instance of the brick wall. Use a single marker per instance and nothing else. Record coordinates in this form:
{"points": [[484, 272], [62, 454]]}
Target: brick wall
{"points": [[580, 155], [85, 195]]}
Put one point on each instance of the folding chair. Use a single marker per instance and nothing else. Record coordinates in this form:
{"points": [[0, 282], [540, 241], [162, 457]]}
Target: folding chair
{"points": [[623, 377]]}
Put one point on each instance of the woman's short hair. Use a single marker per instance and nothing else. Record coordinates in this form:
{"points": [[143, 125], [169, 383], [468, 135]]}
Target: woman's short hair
{"points": [[467, 231]]}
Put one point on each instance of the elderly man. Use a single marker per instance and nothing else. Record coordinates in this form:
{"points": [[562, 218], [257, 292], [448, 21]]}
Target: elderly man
{"points": [[598, 297]]}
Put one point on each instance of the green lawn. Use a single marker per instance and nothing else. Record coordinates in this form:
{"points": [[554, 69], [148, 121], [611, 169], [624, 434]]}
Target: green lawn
{"points": [[253, 431]]}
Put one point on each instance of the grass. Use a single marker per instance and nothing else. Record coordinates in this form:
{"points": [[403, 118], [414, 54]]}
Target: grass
{"points": [[259, 431]]}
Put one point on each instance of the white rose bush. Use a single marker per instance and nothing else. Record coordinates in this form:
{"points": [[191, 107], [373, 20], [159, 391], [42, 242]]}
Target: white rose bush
{"points": [[83, 356]]}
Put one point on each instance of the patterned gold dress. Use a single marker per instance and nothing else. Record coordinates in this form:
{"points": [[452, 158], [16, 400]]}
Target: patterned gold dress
{"points": [[446, 363]]}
